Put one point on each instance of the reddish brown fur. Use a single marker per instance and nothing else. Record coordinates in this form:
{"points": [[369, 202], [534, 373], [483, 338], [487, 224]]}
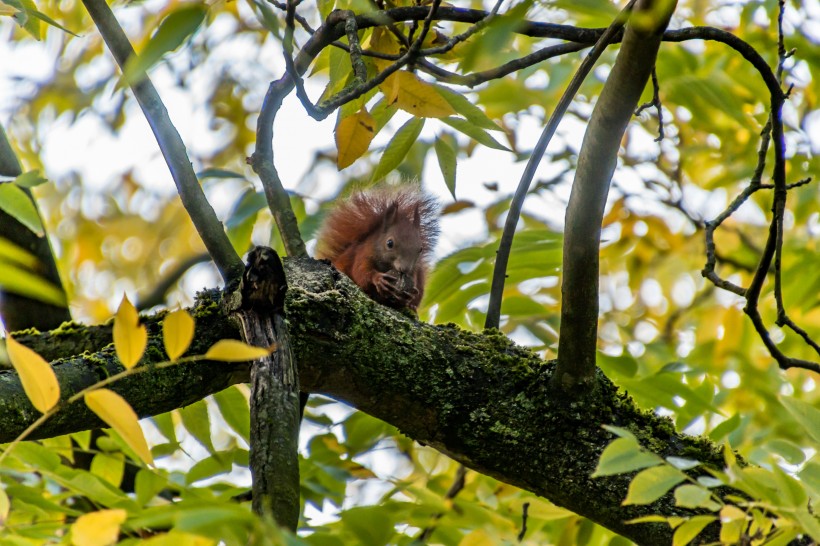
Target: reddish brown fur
{"points": [[356, 235]]}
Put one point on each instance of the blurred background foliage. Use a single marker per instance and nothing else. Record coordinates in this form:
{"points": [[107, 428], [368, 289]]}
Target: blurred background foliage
{"points": [[671, 340]]}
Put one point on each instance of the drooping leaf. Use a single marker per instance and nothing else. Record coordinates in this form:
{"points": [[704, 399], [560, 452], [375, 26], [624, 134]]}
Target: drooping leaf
{"points": [[172, 32], [18, 205], [36, 375], [651, 484], [231, 350], [398, 147], [98, 528], [467, 108], [118, 414], [233, 406], [197, 422], [177, 333], [353, 136], [447, 163], [130, 337], [476, 133]]}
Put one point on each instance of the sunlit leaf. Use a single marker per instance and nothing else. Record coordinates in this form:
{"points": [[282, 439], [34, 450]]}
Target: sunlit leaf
{"points": [[651, 484], [18, 205], [118, 414], [231, 350], [692, 496], [98, 528], [479, 537], [177, 333], [413, 95], [353, 136], [624, 455], [5, 505], [130, 337], [177, 538], [36, 375], [689, 529]]}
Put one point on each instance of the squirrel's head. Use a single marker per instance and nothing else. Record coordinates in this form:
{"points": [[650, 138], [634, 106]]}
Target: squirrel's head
{"points": [[399, 245]]}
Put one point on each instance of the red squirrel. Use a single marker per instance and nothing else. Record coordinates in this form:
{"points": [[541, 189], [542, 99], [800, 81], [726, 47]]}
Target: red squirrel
{"points": [[382, 239]]}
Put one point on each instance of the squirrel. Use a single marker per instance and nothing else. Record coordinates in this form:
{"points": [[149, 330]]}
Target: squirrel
{"points": [[382, 239]]}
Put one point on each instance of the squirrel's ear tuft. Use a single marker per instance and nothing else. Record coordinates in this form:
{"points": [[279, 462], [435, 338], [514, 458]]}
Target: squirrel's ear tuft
{"points": [[390, 215]]}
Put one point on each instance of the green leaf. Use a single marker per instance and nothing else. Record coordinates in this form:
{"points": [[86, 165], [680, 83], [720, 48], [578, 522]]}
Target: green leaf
{"points": [[219, 173], [196, 421], [476, 133], [109, 466], [46, 19], [468, 109], [791, 453], [30, 179], [447, 163], [235, 410], [18, 205], [24, 282], [724, 428], [690, 528], [624, 455], [172, 32], [651, 484], [218, 463], [398, 147], [692, 496], [805, 414], [147, 484]]}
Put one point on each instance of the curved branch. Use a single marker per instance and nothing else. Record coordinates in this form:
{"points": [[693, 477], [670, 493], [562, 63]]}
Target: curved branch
{"points": [[173, 149], [596, 164], [157, 294]]}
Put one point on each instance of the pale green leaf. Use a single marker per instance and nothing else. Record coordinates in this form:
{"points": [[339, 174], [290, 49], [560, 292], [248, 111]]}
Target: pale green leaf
{"points": [[398, 147], [447, 163], [651, 484], [18, 205], [476, 133], [172, 32], [624, 455]]}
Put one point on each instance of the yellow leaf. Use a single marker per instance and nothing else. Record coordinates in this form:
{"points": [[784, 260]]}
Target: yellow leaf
{"points": [[353, 136], [97, 528], [130, 338], [118, 414], [382, 41], [177, 333], [178, 538], [418, 97], [479, 537], [37, 377], [5, 505], [231, 350]]}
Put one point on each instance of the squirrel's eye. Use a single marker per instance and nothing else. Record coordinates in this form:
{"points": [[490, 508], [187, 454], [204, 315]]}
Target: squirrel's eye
{"points": [[390, 243]]}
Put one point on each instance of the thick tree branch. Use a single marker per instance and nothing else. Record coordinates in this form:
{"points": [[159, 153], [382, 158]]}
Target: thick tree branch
{"points": [[478, 398], [173, 149], [596, 165]]}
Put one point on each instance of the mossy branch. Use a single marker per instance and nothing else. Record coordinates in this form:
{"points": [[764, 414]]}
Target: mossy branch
{"points": [[476, 397]]}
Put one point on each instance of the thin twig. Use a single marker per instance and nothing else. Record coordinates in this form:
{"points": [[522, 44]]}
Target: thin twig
{"points": [[492, 319], [193, 198], [656, 102]]}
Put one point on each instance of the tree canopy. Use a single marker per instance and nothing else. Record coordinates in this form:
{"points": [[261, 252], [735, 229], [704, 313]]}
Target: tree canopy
{"points": [[618, 342]]}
